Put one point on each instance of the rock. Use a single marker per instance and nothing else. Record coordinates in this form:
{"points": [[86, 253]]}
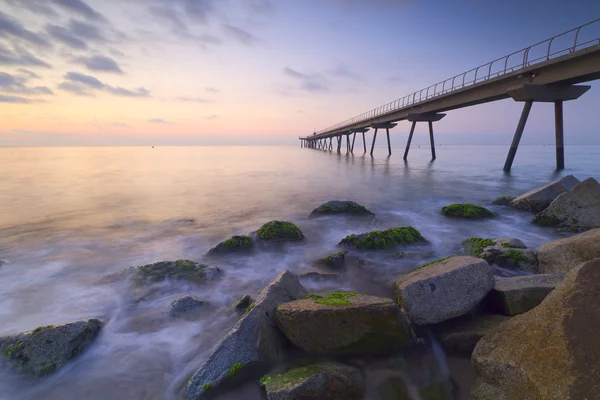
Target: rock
{"points": [[185, 270], [325, 381], [235, 244], [242, 304], [394, 388], [344, 323], [503, 200], [560, 256], [539, 198], [505, 252], [335, 260], [383, 239], [336, 207], [460, 335], [444, 289], [279, 231], [467, 211], [320, 276], [253, 343], [519, 294], [187, 304], [577, 209], [46, 349], [550, 352], [482, 391]]}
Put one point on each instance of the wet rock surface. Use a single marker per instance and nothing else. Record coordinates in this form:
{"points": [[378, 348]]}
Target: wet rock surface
{"points": [[279, 231], [460, 335], [236, 244], [466, 211], [560, 256], [539, 198], [519, 294], [378, 240], [188, 305], [505, 252], [337, 207]]}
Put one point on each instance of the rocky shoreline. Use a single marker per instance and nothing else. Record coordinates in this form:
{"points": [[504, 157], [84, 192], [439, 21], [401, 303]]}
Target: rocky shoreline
{"points": [[528, 335]]}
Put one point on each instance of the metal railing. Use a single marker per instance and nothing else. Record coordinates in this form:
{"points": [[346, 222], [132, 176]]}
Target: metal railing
{"points": [[518, 60]]}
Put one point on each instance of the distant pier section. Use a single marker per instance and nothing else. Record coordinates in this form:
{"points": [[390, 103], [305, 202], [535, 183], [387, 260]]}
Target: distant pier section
{"points": [[549, 71]]}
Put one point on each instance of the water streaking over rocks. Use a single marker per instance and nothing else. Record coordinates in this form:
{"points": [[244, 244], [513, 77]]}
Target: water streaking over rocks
{"points": [[76, 219]]}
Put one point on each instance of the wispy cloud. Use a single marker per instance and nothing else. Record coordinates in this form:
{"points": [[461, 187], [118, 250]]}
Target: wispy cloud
{"points": [[18, 100], [211, 89], [65, 36], [17, 85], [309, 82], [240, 35], [99, 63], [79, 7], [86, 31], [193, 100], [29, 74], [343, 71], [214, 116], [41, 7], [20, 57], [82, 84], [12, 28], [76, 89], [158, 121]]}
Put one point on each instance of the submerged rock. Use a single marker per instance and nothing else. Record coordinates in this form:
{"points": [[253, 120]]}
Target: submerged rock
{"points": [[324, 381], [344, 323], [182, 270], [243, 303], [321, 276], [187, 304], [503, 200], [46, 349], [376, 240], [577, 209], [505, 252], [560, 256], [235, 244], [335, 260], [254, 343], [539, 198], [279, 231], [467, 211], [519, 294], [550, 352], [336, 207], [443, 289], [460, 335]]}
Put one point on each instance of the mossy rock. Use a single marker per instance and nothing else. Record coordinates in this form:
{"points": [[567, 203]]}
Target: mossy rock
{"points": [[182, 270], [235, 244], [503, 200], [467, 211], [279, 231], [393, 388], [336, 207], [474, 246], [505, 252], [377, 240], [335, 260]]}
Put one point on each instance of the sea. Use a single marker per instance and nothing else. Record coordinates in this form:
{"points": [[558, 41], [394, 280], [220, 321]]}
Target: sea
{"points": [[74, 218]]}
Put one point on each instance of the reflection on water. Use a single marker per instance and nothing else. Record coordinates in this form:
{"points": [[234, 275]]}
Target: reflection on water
{"points": [[72, 216]]}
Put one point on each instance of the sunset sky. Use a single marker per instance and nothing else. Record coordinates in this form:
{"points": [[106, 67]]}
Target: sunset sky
{"points": [[177, 72]]}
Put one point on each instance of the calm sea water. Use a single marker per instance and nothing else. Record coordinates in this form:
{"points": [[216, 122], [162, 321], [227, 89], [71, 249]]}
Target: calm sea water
{"points": [[71, 216]]}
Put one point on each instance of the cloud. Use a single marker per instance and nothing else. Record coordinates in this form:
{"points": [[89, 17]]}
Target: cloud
{"points": [[158, 121], [214, 116], [16, 84], [309, 82], [99, 63], [79, 7], [396, 79], [80, 84], [193, 99], [86, 31], [35, 6], [240, 35], [65, 36], [116, 53], [211, 89], [29, 74], [10, 27], [18, 100], [20, 57], [342, 71]]}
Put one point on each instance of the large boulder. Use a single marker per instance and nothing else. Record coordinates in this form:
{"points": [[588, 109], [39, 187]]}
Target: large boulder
{"points": [[519, 294], [539, 198], [505, 252], [279, 231], [376, 240], [336, 207], [577, 209], [188, 305], [560, 256], [503, 200], [444, 289], [460, 335], [46, 349], [550, 352], [335, 260], [344, 323], [253, 343], [324, 381], [466, 211], [235, 244], [180, 270]]}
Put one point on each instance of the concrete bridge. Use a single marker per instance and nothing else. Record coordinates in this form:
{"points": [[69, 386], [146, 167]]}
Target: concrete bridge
{"points": [[548, 71]]}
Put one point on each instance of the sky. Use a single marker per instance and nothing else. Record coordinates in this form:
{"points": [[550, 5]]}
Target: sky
{"points": [[263, 72]]}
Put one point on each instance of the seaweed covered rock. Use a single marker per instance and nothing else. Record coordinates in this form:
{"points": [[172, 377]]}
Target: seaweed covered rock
{"points": [[235, 244], [519, 294], [46, 349], [376, 240], [336, 207], [279, 231], [254, 343], [180, 270], [444, 289], [324, 381], [242, 303], [187, 305], [550, 352], [460, 335], [335, 260], [467, 211], [577, 209], [503, 200], [505, 252], [560, 256], [344, 323], [539, 198]]}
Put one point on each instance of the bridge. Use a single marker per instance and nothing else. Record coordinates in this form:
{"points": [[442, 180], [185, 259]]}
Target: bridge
{"points": [[549, 71]]}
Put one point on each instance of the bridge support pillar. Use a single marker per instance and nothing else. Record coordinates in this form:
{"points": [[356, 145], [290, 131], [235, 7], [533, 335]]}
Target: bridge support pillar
{"points": [[518, 133], [410, 135], [387, 126], [364, 143], [374, 139], [560, 145], [353, 140], [431, 141], [430, 119], [339, 139], [347, 143]]}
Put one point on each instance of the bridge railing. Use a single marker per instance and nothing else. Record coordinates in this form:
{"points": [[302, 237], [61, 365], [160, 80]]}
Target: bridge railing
{"points": [[542, 51]]}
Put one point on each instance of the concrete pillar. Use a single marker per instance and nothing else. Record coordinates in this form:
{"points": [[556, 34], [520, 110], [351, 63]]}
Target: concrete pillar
{"points": [[353, 139], [431, 141], [518, 133], [410, 136], [373, 144], [560, 145], [387, 132], [339, 139], [330, 143], [364, 143]]}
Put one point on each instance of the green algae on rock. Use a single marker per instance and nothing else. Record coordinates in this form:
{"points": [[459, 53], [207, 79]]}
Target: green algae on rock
{"points": [[466, 210], [439, 260], [336, 207], [376, 240], [279, 231], [235, 244], [503, 200], [337, 298], [474, 246], [335, 260], [186, 270]]}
